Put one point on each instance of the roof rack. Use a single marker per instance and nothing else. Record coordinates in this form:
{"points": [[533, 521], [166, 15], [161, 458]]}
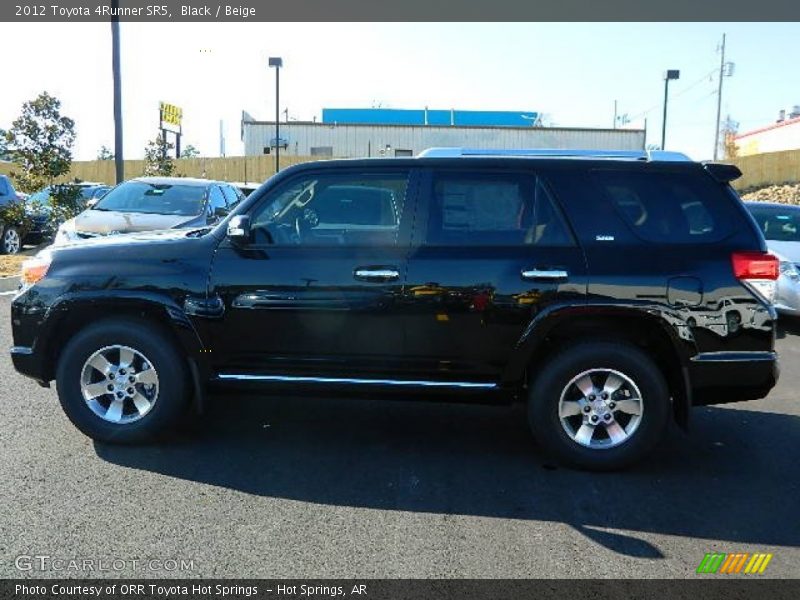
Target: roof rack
{"points": [[648, 155]]}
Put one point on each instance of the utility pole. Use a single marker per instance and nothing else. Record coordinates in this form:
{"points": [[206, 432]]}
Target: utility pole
{"points": [[719, 95], [119, 164], [615, 114]]}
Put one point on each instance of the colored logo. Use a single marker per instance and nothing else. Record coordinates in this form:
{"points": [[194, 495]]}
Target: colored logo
{"points": [[729, 564]]}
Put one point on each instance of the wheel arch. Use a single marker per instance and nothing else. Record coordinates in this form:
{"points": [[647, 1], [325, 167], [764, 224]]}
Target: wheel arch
{"points": [[645, 329], [73, 313]]}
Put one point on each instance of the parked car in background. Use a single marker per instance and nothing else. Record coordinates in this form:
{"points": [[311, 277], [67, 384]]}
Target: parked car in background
{"points": [[152, 203], [780, 224], [245, 188], [39, 211], [11, 234], [609, 294]]}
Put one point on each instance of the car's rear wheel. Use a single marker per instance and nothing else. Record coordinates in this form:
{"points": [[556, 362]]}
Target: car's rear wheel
{"points": [[122, 380], [599, 405], [11, 240]]}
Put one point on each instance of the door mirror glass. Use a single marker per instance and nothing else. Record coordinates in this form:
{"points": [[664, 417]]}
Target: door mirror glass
{"points": [[239, 229]]}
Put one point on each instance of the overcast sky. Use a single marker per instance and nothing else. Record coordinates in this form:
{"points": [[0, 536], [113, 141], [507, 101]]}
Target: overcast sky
{"points": [[570, 72]]}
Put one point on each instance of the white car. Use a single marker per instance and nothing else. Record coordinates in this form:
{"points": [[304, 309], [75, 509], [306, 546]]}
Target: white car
{"points": [[780, 224]]}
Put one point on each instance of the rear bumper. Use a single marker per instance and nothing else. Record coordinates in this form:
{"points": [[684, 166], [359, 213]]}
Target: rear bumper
{"points": [[722, 377]]}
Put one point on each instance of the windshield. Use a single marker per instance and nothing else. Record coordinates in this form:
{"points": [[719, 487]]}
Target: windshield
{"points": [[44, 197], [154, 198], [777, 223]]}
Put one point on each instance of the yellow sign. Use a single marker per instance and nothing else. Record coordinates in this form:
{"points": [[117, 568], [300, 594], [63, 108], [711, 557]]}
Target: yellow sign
{"points": [[170, 114]]}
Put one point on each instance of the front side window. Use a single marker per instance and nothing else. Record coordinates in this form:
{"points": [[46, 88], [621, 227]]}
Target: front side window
{"points": [[494, 210], [359, 209], [154, 198]]}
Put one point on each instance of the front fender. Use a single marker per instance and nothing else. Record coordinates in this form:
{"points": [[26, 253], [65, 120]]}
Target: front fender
{"points": [[72, 311]]}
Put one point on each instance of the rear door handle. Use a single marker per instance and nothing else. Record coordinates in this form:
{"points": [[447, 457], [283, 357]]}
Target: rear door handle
{"points": [[376, 274], [545, 274]]}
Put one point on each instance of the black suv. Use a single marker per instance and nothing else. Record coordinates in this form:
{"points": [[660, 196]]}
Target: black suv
{"points": [[609, 293]]}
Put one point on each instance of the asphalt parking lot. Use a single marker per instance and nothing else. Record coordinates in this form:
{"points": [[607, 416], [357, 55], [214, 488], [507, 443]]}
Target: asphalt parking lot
{"points": [[288, 487]]}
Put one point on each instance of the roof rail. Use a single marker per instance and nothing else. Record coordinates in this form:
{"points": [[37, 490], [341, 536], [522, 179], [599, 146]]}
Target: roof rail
{"points": [[554, 153]]}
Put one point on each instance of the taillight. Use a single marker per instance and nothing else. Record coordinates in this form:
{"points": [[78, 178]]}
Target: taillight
{"points": [[755, 265], [758, 271]]}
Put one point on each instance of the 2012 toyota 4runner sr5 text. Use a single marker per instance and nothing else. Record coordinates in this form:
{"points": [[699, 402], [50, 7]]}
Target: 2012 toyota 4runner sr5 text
{"points": [[609, 293]]}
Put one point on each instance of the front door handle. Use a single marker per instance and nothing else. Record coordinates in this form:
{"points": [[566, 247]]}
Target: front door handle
{"points": [[379, 274], [545, 274]]}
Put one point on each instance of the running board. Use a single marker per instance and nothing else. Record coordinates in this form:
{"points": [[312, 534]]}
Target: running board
{"points": [[355, 381]]}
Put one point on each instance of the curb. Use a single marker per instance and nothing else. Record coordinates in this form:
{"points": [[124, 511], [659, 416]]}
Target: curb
{"points": [[9, 284]]}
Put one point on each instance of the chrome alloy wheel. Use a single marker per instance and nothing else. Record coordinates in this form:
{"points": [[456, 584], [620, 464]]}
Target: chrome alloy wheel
{"points": [[600, 408], [11, 241], [119, 384]]}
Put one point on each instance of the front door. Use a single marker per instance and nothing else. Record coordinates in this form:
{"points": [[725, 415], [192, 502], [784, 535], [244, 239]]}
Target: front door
{"points": [[316, 292], [493, 252]]}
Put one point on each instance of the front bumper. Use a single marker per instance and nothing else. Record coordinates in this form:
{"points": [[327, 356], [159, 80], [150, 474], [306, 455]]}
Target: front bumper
{"points": [[787, 296], [29, 364], [722, 377]]}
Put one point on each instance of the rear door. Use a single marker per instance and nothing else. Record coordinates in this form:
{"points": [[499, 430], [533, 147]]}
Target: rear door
{"points": [[492, 250]]}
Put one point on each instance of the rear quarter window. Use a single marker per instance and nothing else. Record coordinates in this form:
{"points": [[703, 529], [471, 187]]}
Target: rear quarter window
{"points": [[666, 207]]}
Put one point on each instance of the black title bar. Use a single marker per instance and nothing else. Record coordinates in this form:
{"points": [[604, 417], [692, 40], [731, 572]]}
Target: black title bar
{"points": [[400, 10]]}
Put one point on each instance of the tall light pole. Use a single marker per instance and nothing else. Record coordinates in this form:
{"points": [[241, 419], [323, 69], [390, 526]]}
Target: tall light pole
{"points": [[119, 164], [277, 62], [668, 76]]}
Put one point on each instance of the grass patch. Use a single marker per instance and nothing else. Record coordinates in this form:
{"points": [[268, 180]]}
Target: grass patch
{"points": [[10, 264]]}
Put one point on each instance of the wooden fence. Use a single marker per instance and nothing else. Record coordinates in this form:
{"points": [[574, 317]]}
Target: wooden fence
{"points": [[758, 169], [769, 168]]}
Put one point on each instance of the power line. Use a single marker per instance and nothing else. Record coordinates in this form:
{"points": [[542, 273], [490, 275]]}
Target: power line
{"points": [[677, 95]]}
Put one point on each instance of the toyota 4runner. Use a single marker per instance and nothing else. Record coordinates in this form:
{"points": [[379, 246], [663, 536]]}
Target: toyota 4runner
{"points": [[610, 292]]}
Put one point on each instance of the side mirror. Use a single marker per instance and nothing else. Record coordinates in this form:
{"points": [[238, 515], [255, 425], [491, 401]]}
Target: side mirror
{"points": [[90, 203], [239, 229]]}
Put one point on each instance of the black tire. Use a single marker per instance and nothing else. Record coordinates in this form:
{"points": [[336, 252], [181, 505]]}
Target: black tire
{"points": [[557, 373], [7, 244], [144, 337]]}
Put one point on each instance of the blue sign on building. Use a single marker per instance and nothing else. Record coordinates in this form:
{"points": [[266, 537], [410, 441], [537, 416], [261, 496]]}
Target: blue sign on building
{"points": [[463, 118]]}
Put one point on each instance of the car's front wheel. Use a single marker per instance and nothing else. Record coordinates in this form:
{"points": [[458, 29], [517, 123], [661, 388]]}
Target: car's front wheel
{"points": [[122, 380], [599, 405], [11, 240]]}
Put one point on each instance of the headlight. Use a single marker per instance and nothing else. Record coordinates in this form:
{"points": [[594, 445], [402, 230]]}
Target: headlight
{"points": [[790, 270], [34, 269]]}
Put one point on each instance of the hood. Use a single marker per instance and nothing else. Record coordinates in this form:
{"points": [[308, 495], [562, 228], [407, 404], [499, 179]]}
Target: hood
{"points": [[101, 222], [131, 239], [785, 250]]}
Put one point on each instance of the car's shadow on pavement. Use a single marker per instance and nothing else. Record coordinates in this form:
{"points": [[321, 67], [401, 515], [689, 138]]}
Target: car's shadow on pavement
{"points": [[732, 478], [788, 326]]}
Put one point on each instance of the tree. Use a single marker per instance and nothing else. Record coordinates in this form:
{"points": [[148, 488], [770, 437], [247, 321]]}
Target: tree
{"points": [[157, 158], [729, 130], [3, 144], [190, 152], [42, 139], [105, 153]]}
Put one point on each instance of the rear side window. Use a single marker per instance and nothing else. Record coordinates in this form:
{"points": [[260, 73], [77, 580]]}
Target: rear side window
{"points": [[494, 209], [677, 208]]}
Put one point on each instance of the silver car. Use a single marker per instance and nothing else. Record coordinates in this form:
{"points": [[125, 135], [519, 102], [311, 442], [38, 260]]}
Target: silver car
{"points": [[780, 224]]}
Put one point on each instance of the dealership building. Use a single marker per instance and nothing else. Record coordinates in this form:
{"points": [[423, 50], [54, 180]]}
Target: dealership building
{"points": [[784, 134], [364, 132]]}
